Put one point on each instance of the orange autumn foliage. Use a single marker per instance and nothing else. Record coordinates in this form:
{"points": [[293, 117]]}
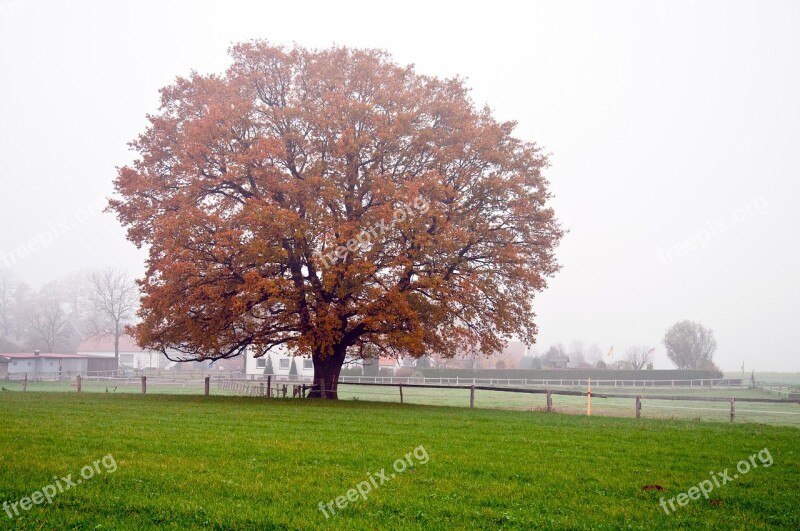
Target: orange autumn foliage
{"points": [[250, 186]]}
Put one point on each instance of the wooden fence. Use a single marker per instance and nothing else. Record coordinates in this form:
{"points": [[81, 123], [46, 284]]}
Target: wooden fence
{"points": [[250, 388], [270, 388]]}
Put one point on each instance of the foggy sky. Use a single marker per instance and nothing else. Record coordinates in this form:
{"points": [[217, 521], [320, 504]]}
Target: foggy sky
{"points": [[674, 129]]}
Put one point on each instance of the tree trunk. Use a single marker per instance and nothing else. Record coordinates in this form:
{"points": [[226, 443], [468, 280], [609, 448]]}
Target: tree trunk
{"points": [[116, 346], [327, 369]]}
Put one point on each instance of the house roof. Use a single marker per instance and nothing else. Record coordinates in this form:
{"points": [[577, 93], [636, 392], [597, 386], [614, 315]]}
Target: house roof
{"points": [[106, 344], [229, 364], [26, 355]]}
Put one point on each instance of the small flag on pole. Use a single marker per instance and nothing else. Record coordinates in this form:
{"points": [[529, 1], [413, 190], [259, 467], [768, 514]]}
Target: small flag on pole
{"points": [[651, 354]]}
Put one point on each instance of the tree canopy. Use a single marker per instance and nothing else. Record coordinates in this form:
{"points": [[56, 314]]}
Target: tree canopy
{"points": [[331, 201], [690, 345]]}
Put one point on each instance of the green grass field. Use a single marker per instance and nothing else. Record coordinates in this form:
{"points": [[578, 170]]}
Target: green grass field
{"points": [[247, 463]]}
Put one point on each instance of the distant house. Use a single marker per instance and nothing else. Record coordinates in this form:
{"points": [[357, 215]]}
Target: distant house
{"points": [[65, 340], [281, 364], [556, 362], [388, 364], [385, 364], [233, 365], [131, 356], [4, 367], [68, 339]]}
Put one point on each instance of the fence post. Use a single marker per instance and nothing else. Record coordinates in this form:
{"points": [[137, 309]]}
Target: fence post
{"points": [[208, 384], [25, 382], [401, 393], [269, 386], [322, 388], [144, 385], [549, 401], [638, 406], [78, 383], [733, 408], [472, 396]]}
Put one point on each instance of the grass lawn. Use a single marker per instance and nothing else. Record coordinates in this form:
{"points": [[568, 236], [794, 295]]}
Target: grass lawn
{"points": [[245, 463]]}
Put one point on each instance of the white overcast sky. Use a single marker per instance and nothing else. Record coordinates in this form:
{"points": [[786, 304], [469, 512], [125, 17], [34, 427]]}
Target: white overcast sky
{"points": [[669, 122]]}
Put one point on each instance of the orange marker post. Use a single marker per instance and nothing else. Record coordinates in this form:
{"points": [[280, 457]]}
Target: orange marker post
{"points": [[589, 399]]}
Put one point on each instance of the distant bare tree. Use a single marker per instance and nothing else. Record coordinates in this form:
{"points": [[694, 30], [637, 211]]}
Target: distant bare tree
{"points": [[22, 303], [578, 355], [594, 354], [690, 345], [637, 357], [423, 363], [440, 362], [620, 365], [46, 317], [7, 284], [555, 351], [555, 356], [112, 298], [74, 292], [473, 354]]}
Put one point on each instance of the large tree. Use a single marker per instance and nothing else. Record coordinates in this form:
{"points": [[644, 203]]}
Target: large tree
{"points": [[329, 200], [690, 345]]}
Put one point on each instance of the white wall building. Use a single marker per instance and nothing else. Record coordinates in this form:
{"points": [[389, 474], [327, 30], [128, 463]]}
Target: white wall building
{"points": [[130, 355], [53, 366], [281, 365]]}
